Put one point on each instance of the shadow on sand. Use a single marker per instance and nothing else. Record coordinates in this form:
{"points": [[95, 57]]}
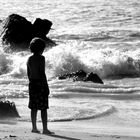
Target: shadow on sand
{"points": [[63, 137]]}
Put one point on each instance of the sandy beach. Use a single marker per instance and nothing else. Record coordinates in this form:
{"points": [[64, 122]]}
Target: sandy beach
{"points": [[74, 130], [107, 127]]}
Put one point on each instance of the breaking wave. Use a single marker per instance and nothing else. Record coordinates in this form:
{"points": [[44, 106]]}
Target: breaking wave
{"points": [[69, 57], [70, 114]]}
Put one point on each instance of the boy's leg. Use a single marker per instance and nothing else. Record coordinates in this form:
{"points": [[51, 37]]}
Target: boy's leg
{"points": [[44, 117], [33, 119]]}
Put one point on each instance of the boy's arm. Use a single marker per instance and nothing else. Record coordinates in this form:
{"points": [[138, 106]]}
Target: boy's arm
{"points": [[42, 69], [44, 75], [28, 69]]}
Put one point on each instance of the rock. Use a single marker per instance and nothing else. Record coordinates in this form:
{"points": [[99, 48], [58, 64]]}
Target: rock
{"points": [[79, 73], [82, 76], [64, 76], [41, 27], [12, 136], [18, 31], [94, 78], [8, 109]]}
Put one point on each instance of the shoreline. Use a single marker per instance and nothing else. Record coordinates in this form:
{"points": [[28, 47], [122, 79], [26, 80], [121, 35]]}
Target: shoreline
{"points": [[109, 127], [72, 130]]}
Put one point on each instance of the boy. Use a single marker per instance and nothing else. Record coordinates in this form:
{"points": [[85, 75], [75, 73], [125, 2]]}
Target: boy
{"points": [[38, 86]]}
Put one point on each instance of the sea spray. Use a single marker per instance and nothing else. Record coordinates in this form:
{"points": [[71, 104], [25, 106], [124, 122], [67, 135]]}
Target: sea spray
{"points": [[63, 59], [71, 56], [5, 63], [19, 64], [107, 63]]}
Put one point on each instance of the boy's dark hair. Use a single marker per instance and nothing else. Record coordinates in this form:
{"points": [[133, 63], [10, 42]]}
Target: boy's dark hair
{"points": [[37, 45]]}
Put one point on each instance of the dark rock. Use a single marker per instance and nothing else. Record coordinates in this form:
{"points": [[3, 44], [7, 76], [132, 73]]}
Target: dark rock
{"points": [[8, 109], [94, 78], [82, 76], [12, 136], [61, 77], [41, 27], [79, 73], [18, 31]]}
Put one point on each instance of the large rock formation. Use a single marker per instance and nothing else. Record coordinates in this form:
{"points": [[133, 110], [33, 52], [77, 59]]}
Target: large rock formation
{"points": [[82, 76], [18, 31]]}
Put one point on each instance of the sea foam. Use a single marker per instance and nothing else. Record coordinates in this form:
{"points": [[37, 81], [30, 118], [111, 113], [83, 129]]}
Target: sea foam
{"points": [[107, 62]]}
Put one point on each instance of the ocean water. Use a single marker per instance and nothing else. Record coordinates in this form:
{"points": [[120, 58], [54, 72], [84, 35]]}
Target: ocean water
{"points": [[100, 36]]}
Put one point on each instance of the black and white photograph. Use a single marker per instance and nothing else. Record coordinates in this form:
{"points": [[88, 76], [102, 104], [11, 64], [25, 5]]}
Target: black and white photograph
{"points": [[70, 70]]}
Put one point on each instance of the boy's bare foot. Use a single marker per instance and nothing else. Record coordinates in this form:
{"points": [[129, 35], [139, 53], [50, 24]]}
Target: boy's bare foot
{"points": [[47, 132], [35, 131]]}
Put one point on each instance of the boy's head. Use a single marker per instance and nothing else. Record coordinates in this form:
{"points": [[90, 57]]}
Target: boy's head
{"points": [[37, 45]]}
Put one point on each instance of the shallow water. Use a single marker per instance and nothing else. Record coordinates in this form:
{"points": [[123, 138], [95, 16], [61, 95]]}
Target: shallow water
{"points": [[79, 100]]}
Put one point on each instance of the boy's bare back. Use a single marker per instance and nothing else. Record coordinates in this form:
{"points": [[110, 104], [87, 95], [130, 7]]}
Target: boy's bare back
{"points": [[36, 67]]}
